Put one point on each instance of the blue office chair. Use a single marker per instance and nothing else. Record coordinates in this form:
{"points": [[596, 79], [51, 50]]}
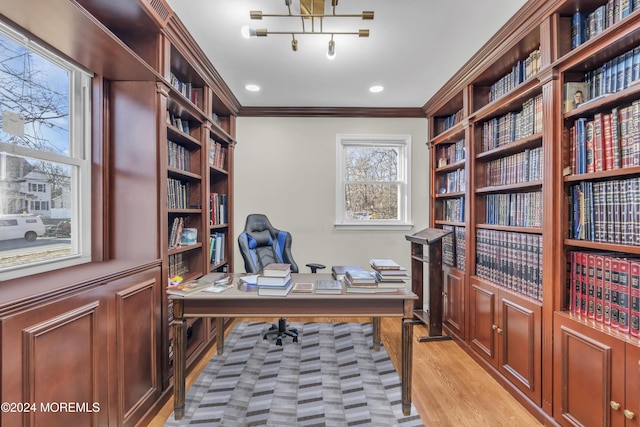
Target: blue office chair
{"points": [[261, 244]]}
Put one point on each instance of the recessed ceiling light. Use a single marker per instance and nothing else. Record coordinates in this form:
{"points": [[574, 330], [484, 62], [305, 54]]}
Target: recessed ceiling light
{"points": [[252, 88], [376, 89]]}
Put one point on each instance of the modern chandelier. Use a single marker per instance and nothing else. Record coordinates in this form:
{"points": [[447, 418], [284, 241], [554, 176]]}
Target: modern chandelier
{"points": [[311, 14]]}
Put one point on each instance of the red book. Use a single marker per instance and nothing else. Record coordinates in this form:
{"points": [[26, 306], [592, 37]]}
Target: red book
{"points": [[634, 299], [598, 143], [606, 313], [599, 297], [591, 286], [607, 138], [574, 305], [623, 295], [584, 284], [615, 279]]}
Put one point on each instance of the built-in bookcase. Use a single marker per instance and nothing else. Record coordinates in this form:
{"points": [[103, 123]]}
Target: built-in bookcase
{"points": [[198, 161], [551, 207]]}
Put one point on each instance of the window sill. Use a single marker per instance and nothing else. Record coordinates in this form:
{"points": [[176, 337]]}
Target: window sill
{"points": [[371, 226]]}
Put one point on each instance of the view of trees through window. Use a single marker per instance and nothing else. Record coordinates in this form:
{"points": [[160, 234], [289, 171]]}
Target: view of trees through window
{"points": [[35, 175], [371, 183]]}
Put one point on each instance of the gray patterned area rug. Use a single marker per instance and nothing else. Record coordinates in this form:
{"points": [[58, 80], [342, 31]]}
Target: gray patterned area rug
{"points": [[331, 377]]}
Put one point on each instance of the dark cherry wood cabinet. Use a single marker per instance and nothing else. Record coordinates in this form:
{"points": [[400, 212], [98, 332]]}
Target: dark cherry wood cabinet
{"points": [[505, 330], [453, 316]]}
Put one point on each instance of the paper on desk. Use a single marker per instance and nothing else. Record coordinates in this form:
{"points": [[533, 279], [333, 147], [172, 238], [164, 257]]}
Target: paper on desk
{"points": [[251, 279]]}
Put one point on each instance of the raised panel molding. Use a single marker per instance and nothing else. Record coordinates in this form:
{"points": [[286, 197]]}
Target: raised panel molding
{"points": [[454, 302], [483, 315], [136, 340], [63, 350], [586, 380], [518, 346]]}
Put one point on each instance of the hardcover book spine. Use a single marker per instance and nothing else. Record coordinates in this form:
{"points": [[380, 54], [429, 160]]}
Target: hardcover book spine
{"points": [[634, 299]]}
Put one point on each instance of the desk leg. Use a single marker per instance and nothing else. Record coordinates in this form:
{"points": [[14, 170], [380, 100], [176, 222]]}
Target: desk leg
{"points": [[407, 356], [179, 358], [376, 334], [220, 333]]}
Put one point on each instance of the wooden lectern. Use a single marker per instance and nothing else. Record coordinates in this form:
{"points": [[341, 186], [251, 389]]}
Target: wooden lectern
{"points": [[432, 238]]}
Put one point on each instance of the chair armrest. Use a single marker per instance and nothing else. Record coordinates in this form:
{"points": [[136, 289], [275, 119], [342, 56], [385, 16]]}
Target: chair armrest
{"points": [[314, 267]]}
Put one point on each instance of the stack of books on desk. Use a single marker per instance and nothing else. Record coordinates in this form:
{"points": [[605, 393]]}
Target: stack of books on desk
{"points": [[275, 280], [361, 281], [389, 273]]}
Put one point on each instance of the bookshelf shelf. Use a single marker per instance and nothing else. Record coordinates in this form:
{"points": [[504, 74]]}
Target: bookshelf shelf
{"points": [[183, 249], [532, 141], [531, 185]]}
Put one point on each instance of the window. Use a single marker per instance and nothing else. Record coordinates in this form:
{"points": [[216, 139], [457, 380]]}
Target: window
{"points": [[45, 159], [372, 186]]}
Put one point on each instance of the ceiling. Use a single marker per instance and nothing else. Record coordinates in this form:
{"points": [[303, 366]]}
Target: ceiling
{"points": [[414, 48]]}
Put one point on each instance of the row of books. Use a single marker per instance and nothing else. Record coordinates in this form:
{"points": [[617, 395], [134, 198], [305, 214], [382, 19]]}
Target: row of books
{"points": [[520, 72], [609, 141], [525, 166], [614, 75], [453, 181], [513, 126], [606, 289], [176, 121], [177, 265], [217, 154], [586, 25], [454, 247], [217, 243], [178, 156], [452, 153], [605, 211], [217, 208], [186, 88], [511, 260], [448, 122], [514, 209], [177, 194], [453, 209], [180, 234]]}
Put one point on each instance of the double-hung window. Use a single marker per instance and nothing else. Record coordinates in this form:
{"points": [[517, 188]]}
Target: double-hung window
{"points": [[45, 159], [372, 185]]}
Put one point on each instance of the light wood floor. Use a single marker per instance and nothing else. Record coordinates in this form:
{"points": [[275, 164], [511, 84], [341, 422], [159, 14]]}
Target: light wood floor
{"points": [[449, 388]]}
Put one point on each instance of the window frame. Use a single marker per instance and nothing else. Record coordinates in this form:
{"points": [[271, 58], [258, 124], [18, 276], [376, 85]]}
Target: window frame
{"points": [[78, 159], [400, 142]]}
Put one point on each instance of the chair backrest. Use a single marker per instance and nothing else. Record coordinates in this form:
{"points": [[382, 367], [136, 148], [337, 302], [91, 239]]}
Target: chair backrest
{"points": [[261, 243]]}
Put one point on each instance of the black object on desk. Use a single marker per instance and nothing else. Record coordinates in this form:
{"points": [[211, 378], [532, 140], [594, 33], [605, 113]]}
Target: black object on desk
{"points": [[432, 238]]}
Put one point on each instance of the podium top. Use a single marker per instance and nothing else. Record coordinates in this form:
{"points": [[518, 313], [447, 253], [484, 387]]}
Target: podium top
{"points": [[427, 236]]}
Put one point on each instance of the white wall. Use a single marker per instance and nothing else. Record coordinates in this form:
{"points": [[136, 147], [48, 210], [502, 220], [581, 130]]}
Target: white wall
{"points": [[285, 168]]}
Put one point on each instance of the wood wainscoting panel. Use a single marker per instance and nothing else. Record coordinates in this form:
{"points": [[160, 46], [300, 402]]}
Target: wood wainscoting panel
{"points": [[483, 317], [137, 341], [61, 353]]}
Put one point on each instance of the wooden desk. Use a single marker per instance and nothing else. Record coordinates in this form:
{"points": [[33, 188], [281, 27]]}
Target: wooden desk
{"points": [[236, 303]]}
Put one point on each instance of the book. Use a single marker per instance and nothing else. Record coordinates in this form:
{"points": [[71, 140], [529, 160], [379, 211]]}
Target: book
{"points": [[360, 277], [281, 291], [384, 264], [338, 271], [302, 288], [276, 270], [189, 287], [369, 290], [273, 281], [328, 286]]}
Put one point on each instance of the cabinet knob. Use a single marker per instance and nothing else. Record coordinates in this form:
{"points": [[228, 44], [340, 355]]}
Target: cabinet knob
{"points": [[499, 330], [629, 414], [614, 405], [494, 327]]}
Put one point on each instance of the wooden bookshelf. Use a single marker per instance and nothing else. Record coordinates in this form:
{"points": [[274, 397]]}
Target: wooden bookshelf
{"points": [[532, 341]]}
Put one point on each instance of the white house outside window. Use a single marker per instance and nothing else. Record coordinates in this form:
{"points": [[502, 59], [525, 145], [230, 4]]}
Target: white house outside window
{"points": [[372, 185], [45, 159]]}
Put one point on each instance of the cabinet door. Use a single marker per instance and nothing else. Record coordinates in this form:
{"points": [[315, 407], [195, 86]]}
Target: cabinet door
{"points": [[631, 409], [454, 299], [519, 339], [589, 370], [482, 309]]}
